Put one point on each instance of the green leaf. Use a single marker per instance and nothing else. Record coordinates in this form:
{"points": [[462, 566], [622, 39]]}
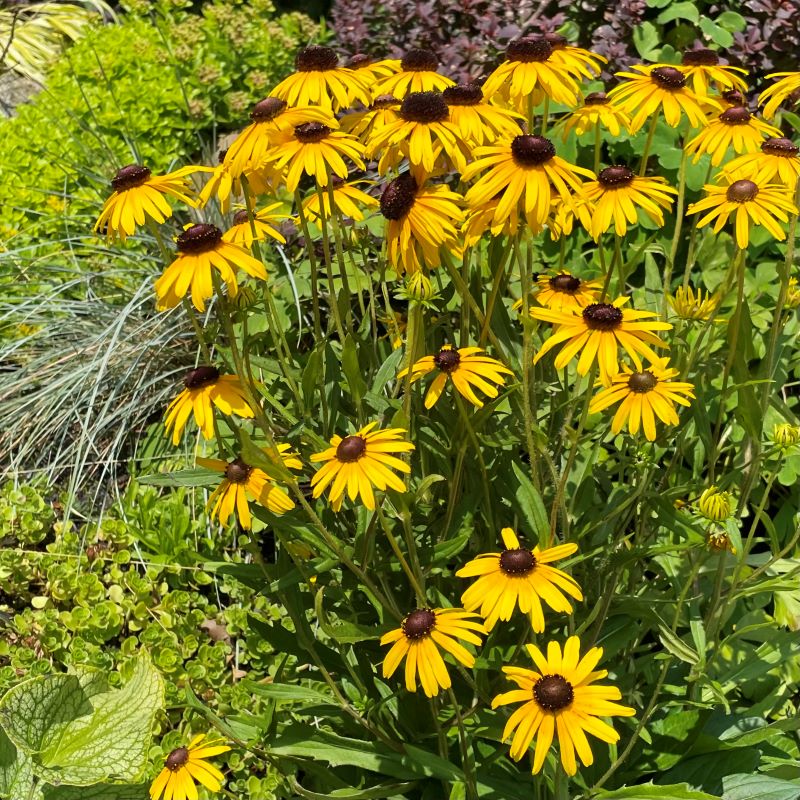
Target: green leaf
{"points": [[183, 477], [758, 787], [338, 629], [105, 791], [716, 33], [646, 40], [529, 504], [677, 646], [387, 371], [731, 21], [676, 791], [16, 770], [256, 457], [352, 369], [288, 693], [681, 11], [311, 378]]}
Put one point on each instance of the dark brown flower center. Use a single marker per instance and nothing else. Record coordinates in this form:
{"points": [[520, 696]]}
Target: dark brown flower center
{"points": [[129, 177], [199, 377], [742, 191], [567, 284], [360, 60], [519, 561], [398, 197], [553, 692], [385, 101], [463, 94], [424, 107], [240, 217], [556, 40], [199, 238], [668, 78], [702, 57], [602, 317], [237, 471], [529, 49], [316, 58], [267, 109], [738, 115], [176, 759], [419, 623], [642, 382], [780, 147], [532, 151], [351, 448], [418, 59], [595, 99], [310, 132], [734, 97], [447, 359], [616, 176]]}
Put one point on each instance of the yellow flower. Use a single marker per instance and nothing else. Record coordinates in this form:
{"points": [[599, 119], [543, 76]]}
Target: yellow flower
{"points": [[750, 203], [576, 60], [184, 766], [243, 482], [736, 127], [416, 71], [643, 396], [702, 68], [778, 162], [478, 121], [245, 231], [315, 149], [560, 701], [774, 95], [519, 577], [139, 195], [348, 200], [201, 249], [596, 112], [617, 195], [205, 388], [527, 173], [793, 294], [652, 88], [465, 367], [320, 81], [382, 111], [565, 292], [596, 332], [223, 183], [785, 435], [418, 640], [369, 70], [694, 305], [715, 505], [421, 220], [360, 461], [482, 218]]}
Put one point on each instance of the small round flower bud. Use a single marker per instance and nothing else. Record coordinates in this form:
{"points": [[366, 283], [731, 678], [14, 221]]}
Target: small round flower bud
{"points": [[715, 505], [786, 435], [419, 286]]}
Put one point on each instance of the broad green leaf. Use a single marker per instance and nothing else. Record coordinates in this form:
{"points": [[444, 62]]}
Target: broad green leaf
{"points": [[758, 787], [715, 32], [105, 791], [530, 506], [373, 793], [16, 770], [338, 629], [646, 39], [183, 477], [387, 371], [352, 369], [681, 11], [648, 791], [253, 455], [288, 693]]}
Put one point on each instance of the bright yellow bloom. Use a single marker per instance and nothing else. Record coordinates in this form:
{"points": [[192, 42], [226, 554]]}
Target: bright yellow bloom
{"points": [[519, 577], [750, 202], [416, 71], [245, 231], [483, 218], [694, 305], [577, 61], [139, 195], [778, 162], [774, 95], [643, 396], [652, 88], [465, 367], [201, 249], [360, 461], [243, 482], [223, 183], [320, 81], [418, 640], [737, 128], [526, 173], [478, 121], [383, 111], [715, 505], [565, 292], [205, 388], [369, 70], [702, 68], [596, 112], [348, 200], [616, 197], [559, 701], [184, 766], [596, 332]]}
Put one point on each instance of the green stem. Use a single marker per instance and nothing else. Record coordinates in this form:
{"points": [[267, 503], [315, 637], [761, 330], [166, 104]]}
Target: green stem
{"points": [[598, 145], [312, 261], [476, 444], [648, 144], [413, 579], [676, 236]]}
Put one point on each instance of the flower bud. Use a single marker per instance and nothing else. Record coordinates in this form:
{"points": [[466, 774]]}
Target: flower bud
{"points": [[419, 286], [715, 505]]}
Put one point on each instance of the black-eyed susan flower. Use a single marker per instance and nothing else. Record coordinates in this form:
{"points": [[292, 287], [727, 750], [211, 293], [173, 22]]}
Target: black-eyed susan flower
{"points": [[703, 69], [773, 96], [618, 195], [138, 196], [317, 150], [204, 389], [519, 578], [184, 766], [595, 112], [733, 97], [419, 638], [597, 331], [245, 230], [749, 203], [578, 61], [778, 162], [422, 219], [693, 304], [416, 71], [468, 369], [643, 396], [560, 702], [478, 121], [652, 89], [360, 461], [483, 218], [785, 435], [201, 249], [565, 292], [381, 112], [715, 505], [244, 483], [735, 127], [530, 73], [370, 70], [348, 200], [320, 81], [527, 174]]}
